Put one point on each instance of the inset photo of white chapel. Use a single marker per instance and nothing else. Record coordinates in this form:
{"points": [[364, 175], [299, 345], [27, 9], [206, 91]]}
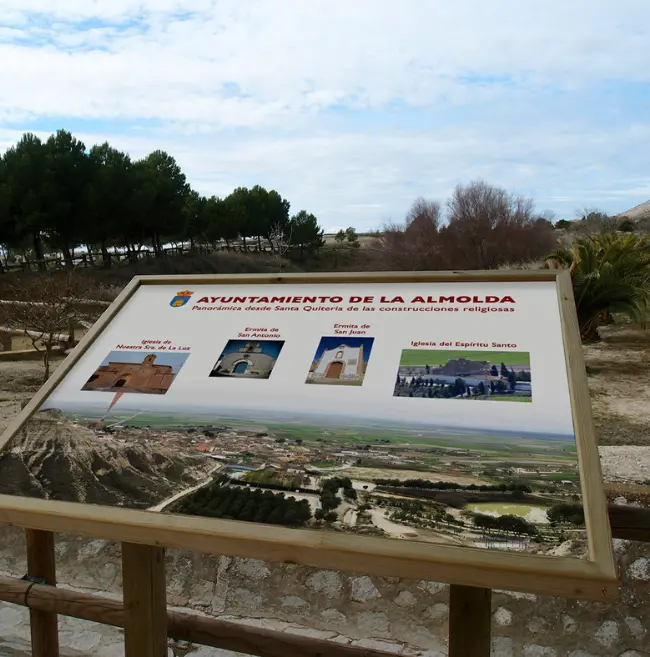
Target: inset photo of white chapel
{"points": [[340, 361], [247, 359]]}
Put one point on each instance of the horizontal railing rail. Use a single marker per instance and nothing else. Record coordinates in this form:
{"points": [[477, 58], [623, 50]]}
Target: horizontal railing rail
{"points": [[38, 592]]}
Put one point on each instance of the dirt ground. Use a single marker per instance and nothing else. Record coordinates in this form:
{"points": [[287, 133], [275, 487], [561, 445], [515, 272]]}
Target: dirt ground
{"points": [[20, 379], [618, 372]]}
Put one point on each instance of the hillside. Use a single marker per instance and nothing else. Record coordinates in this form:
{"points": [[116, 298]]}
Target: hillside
{"points": [[56, 459], [641, 211]]}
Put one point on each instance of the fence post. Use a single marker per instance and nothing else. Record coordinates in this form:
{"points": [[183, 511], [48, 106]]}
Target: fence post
{"points": [[41, 565], [470, 617], [145, 601]]}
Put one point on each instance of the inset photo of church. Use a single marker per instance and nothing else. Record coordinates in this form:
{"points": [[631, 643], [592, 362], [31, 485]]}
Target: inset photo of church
{"points": [[246, 359], [340, 361], [149, 373], [465, 374]]}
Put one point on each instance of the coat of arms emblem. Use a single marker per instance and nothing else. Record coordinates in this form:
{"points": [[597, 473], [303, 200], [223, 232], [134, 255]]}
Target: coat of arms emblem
{"points": [[181, 298]]}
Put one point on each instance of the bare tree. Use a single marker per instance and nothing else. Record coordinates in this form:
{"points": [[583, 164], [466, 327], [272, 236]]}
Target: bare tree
{"points": [[548, 215], [280, 240], [415, 244], [592, 221], [489, 227], [424, 212], [47, 307]]}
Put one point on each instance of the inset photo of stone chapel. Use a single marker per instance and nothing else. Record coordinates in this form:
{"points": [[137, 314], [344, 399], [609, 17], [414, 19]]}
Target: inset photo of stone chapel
{"points": [[340, 361], [134, 371], [247, 359]]}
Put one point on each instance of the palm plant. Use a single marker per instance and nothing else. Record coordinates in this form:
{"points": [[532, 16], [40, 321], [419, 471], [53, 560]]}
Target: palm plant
{"points": [[611, 275]]}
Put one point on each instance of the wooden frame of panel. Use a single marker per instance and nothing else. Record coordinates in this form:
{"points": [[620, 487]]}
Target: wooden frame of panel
{"points": [[594, 578]]}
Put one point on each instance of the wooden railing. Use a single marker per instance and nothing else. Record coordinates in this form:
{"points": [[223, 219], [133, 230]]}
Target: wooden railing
{"points": [[148, 625]]}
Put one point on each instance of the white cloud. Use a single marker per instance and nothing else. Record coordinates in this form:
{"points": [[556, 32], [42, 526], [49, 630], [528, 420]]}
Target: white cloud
{"points": [[246, 92], [288, 56]]}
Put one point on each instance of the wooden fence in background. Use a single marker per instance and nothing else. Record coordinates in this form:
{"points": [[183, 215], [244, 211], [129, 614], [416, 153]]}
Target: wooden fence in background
{"points": [[149, 626], [85, 260]]}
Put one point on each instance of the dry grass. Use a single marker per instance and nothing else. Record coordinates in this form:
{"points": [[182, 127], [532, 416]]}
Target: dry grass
{"points": [[531, 265], [618, 371]]}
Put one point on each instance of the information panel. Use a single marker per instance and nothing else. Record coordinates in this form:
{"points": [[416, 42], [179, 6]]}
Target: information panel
{"points": [[431, 412]]}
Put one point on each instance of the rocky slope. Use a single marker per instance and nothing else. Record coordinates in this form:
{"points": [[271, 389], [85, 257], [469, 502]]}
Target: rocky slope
{"points": [[54, 458], [641, 211]]}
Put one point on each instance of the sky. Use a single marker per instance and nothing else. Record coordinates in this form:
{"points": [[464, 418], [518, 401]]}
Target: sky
{"points": [[162, 358], [351, 110], [329, 343], [269, 347]]}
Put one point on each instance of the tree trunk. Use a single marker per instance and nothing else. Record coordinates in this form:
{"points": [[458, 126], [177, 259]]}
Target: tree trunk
{"points": [[157, 248], [38, 250], [70, 331], [106, 256], [46, 361], [130, 252], [67, 256], [90, 255]]}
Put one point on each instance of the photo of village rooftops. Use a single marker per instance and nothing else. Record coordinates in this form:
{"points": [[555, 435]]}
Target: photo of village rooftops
{"points": [[464, 374], [417, 481]]}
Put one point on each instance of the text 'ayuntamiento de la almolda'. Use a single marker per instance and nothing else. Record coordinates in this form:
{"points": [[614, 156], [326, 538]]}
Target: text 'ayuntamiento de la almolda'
{"points": [[491, 303], [356, 299]]}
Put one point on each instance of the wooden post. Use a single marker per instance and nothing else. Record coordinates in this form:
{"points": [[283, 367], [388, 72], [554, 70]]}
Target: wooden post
{"points": [[470, 617], [41, 565], [145, 602]]}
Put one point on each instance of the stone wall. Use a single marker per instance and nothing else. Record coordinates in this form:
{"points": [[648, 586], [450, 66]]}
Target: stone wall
{"points": [[402, 616]]}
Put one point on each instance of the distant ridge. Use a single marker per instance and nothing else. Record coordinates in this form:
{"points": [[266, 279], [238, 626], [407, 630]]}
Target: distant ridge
{"points": [[641, 211]]}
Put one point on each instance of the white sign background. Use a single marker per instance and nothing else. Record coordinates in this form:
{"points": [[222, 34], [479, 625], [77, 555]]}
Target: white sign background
{"points": [[534, 327]]}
